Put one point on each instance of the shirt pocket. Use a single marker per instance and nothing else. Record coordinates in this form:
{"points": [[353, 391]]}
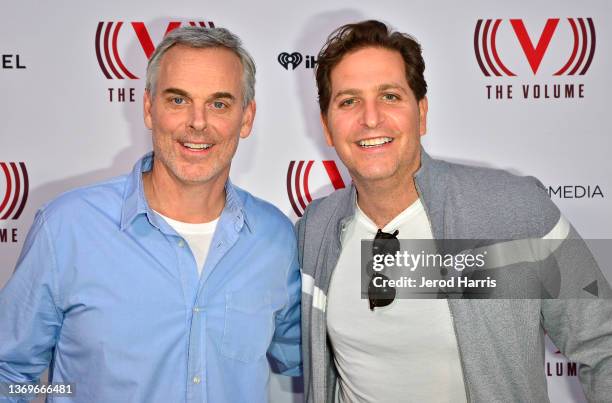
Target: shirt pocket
{"points": [[249, 325]]}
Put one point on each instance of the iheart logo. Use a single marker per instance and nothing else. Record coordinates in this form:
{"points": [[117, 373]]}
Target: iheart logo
{"points": [[286, 59]]}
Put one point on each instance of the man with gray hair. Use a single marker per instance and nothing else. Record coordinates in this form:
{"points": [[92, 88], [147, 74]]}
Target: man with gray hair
{"points": [[168, 284]]}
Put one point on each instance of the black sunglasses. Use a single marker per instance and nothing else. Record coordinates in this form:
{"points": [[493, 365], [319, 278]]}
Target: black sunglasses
{"points": [[384, 244]]}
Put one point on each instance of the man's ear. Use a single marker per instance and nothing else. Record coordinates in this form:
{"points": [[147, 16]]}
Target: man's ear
{"points": [[147, 104], [248, 117], [328, 137], [423, 107]]}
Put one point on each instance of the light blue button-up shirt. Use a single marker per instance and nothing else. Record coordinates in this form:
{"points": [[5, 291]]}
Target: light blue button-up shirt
{"points": [[108, 294]]}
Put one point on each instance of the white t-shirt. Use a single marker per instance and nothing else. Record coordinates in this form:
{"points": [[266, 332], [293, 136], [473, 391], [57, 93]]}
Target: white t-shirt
{"points": [[404, 352], [198, 237]]}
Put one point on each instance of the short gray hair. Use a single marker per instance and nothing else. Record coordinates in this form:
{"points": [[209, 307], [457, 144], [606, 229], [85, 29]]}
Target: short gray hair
{"points": [[200, 37]]}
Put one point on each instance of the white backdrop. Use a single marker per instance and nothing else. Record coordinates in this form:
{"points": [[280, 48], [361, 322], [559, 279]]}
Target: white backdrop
{"points": [[58, 117]]}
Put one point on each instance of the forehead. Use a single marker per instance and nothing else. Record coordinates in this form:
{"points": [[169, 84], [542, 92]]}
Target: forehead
{"points": [[368, 68], [197, 69]]}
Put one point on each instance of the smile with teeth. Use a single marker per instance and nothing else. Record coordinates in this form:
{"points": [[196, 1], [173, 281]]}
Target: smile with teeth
{"points": [[379, 141], [197, 146]]}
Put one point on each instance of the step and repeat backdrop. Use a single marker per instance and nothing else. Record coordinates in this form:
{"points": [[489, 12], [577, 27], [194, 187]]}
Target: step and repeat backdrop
{"points": [[521, 86]]}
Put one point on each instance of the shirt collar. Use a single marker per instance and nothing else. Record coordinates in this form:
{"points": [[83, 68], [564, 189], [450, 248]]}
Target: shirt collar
{"points": [[135, 202], [234, 205]]}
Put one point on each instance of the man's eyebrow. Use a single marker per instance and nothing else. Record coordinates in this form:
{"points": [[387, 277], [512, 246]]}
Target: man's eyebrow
{"points": [[183, 93], [392, 86], [222, 94], [380, 88], [176, 91], [349, 91]]}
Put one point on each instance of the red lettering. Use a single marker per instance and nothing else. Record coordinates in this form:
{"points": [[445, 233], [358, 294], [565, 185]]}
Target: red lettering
{"points": [[534, 54], [145, 39]]}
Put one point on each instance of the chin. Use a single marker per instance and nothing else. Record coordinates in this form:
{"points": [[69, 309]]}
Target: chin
{"points": [[373, 176], [196, 179], [191, 175], [373, 172]]}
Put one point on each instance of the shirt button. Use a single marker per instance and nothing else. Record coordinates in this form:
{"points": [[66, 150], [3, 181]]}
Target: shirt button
{"points": [[196, 309], [181, 243], [196, 379]]}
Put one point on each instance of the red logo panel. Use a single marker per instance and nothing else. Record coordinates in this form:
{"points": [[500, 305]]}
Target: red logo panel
{"points": [[16, 191], [107, 52], [579, 59], [298, 189]]}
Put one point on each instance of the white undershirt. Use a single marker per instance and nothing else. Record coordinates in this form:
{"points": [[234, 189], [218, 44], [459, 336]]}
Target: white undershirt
{"points": [[404, 352], [198, 237]]}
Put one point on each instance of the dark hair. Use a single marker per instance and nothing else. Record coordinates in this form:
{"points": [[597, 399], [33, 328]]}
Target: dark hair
{"points": [[351, 37]]}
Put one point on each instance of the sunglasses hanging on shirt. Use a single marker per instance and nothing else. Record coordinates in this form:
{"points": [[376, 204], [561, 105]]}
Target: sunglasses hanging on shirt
{"points": [[384, 244]]}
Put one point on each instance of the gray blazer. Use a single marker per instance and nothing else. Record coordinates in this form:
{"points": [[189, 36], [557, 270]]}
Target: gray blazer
{"points": [[501, 341]]}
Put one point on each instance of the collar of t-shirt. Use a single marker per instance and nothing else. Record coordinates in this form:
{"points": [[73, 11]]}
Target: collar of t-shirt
{"points": [[198, 236], [392, 225]]}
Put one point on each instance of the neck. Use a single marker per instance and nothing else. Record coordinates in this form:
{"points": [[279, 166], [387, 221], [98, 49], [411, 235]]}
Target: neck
{"points": [[383, 200], [185, 202]]}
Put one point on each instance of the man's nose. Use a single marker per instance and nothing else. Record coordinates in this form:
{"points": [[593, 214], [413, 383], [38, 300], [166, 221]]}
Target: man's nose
{"points": [[371, 114], [198, 120]]}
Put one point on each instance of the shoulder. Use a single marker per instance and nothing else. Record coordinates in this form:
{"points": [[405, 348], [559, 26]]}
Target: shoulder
{"points": [[484, 176], [321, 211], [317, 223], [506, 203], [497, 186], [78, 203], [264, 214]]}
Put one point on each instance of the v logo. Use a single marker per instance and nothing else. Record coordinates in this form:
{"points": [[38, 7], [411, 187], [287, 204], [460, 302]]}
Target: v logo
{"points": [[298, 188], [145, 39], [107, 52], [534, 54]]}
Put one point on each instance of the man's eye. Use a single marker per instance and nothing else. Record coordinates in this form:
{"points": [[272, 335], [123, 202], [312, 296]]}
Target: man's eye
{"points": [[178, 100], [390, 97], [347, 102], [219, 105]]}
